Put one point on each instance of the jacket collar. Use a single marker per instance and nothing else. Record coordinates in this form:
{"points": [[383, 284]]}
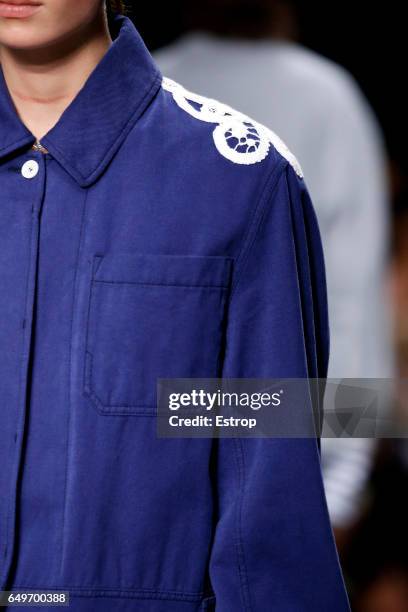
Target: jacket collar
{"points": [[94, 125]]}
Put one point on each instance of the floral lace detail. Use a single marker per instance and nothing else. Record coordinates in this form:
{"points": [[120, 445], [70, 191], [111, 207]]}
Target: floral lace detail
{"points": [[236, 137]]}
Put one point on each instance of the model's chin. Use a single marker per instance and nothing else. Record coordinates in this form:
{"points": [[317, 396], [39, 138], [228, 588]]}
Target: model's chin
{"points": [[20, 35]]}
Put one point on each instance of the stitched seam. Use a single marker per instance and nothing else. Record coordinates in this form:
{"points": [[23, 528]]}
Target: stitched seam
{"points": [[141, 595], [298, 288], [222, 335], [267, 194], [136, 409], [67, 448], [88, 178], [250, 236], [160, 284], [84, 382], [22, 140], [244, 583], [20, 384]]}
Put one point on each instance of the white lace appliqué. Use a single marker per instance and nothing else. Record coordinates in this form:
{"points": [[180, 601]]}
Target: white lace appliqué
{"points": [[237, 137]]}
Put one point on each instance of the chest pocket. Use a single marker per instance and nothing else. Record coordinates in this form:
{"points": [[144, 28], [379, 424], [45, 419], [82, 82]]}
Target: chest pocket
{"points": [[152, 317]]}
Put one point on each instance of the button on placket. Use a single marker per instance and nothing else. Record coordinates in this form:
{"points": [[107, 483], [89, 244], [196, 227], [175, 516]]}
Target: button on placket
{"points": [[30, 169]]}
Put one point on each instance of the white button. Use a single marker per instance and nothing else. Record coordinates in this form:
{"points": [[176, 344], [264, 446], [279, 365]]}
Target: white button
{"points": [[30, 168]]}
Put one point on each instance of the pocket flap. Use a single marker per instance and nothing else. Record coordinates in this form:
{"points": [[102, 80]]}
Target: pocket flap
{"points": [[182, 270]]}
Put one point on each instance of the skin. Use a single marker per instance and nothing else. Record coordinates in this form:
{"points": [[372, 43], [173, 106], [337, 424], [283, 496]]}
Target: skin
{"points": [[47, 57]]}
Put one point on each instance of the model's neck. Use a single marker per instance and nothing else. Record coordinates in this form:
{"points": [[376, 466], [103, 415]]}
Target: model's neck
{"points": [[43, 82]]}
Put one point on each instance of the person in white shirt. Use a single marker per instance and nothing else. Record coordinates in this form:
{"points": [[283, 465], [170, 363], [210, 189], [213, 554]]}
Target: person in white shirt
{"points": [[237, 53]]}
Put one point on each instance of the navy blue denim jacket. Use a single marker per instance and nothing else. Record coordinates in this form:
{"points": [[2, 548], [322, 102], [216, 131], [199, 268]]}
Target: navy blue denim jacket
{"points": [[163, 234]]}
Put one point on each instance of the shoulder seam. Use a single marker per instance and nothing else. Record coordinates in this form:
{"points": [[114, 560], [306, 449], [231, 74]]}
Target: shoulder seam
{"points": [[265, 198]]}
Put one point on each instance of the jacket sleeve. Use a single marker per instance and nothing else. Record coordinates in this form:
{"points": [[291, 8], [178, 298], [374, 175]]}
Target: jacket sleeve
{"points": [[273, 547]]}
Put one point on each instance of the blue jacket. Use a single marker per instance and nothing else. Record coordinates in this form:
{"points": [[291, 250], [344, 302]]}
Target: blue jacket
{"points": [[161, 235]]}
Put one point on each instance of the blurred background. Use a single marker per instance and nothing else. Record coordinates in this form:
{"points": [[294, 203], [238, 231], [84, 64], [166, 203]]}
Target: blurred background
{"points": [[329, 79]]}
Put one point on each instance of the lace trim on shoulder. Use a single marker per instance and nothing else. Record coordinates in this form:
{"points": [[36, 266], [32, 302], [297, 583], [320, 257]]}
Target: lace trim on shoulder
{"points": [[237, 137]]}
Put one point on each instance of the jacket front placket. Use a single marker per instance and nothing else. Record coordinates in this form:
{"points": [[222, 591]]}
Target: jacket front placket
{"points": [[22, 193]]}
